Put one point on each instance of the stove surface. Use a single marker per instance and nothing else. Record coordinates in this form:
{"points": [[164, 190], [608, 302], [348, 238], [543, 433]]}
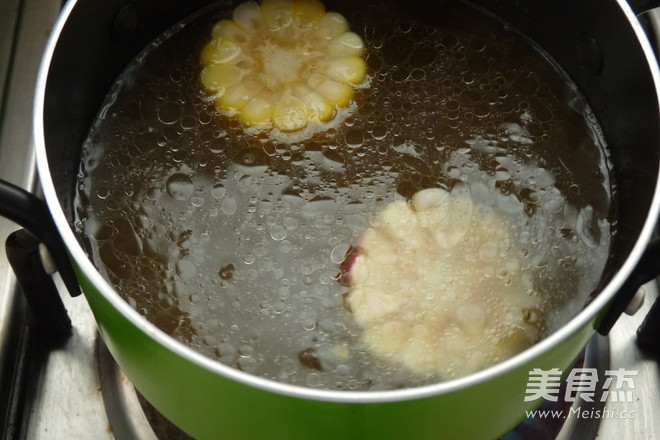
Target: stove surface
{"points": [[78, 379]]}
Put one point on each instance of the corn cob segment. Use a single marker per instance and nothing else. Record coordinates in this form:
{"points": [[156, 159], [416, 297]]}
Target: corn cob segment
{"points": [[282, 64], [438, 286]]}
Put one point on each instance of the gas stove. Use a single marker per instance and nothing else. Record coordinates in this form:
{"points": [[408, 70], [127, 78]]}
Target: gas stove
{"points": [[76, 391]]}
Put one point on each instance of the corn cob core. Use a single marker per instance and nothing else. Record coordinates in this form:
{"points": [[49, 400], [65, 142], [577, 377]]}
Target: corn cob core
{"points": [[438, 286], [282, 64]]}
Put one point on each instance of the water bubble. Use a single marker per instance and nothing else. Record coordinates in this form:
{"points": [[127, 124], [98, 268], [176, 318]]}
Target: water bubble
{"points": [[502, 174], [555, 202], [153, 193], [327, 325], [338, 253], [264, 206], [354, 139], [169, 113], [333, 160], [218, 144], [318, 206], [509, 203], [204, 118], [260, 249], [248, 364], [422, 55], [379, 132], [143, 221], [418, 74], [179, 186], [102, 193], [452, 105], [278, 232], [343, 370], [314, 380], [229, 206], [186, 269], [286, 246], [252, 161], [288, 366], [488, 251], [197, 201], [279, 307], [292, 197], [227, 352], [188, 122], [290, 223], [482, 110]]}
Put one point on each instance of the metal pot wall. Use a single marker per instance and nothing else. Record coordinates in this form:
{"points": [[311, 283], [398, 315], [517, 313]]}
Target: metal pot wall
{"points": [[602, 47]]}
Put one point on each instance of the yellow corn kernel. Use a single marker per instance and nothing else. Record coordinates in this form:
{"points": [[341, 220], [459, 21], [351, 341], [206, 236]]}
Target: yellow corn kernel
{"points": [[307, 12], [346, 69], [230, 30], [346, 44], [331, 25], [248, 17], [316, 105], [278, 14], [219, 77], [290, 114], [257, 113], [337, 92], [319, 107], [219, 50], [239, 95]]}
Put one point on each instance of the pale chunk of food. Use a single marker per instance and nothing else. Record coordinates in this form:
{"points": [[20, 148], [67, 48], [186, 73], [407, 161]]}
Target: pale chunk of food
{"points": [[282, 64], [438, 286]]}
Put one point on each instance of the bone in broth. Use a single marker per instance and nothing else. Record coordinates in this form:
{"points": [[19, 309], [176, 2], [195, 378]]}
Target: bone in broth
{"points": [[432, 212]]}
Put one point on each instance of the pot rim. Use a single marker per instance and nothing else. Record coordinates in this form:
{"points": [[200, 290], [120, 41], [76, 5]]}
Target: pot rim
{"points": [[80, 257]]}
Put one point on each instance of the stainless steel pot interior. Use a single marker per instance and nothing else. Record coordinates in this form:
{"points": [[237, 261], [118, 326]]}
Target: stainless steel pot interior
{"points": [[592, 40]]}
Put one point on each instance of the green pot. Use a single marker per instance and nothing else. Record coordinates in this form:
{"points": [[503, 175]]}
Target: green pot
{"points": [[210, 400]]}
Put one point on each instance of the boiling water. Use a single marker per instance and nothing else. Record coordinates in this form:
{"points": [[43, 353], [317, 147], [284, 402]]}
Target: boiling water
{"points": [[232, 241]]}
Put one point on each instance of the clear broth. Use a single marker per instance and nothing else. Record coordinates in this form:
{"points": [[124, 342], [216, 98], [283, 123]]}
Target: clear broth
{"points": [[231, 240]]}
